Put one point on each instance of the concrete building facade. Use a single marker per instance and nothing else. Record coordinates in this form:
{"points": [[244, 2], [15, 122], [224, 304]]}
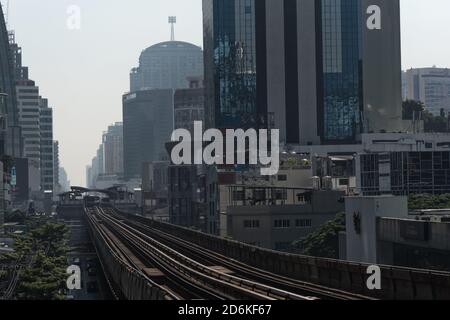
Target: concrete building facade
{"points": [[380, 230], [416, 242], [361, 224], [64, 180], [47, 156], [148, 123], [28, 99], [9, 135], [286, 220], [96, 169], [430, 86], [189, 106], [113, 149]]}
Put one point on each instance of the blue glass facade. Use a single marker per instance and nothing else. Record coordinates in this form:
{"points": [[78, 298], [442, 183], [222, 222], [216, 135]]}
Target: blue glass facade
{"points": [[231, 63], [340, 83]]}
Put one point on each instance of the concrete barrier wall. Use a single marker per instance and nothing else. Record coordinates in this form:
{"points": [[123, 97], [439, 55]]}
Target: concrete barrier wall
{"points": [[397, 283], [70, 211], [132, 284]]}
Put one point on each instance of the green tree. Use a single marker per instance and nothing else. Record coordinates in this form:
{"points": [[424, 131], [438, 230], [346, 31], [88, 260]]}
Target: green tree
{"points": [[417, 110], [435, 124], [429, 201], [44, 280], [43, 252], [325, 241], [412, 109], [15, 216]]}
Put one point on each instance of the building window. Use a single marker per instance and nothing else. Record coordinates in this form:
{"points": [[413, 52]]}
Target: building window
{"points": [[303, 223], [238, 195], [251, 224], [280, 194], [341, 61], [259, 194], [282, 224], [282, 177]]}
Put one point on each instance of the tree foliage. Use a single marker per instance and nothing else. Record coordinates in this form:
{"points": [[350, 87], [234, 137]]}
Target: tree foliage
{"points": [[415, 110], [44, 280], [325, 241], [43, 253], [15, 216], [429, 201]]}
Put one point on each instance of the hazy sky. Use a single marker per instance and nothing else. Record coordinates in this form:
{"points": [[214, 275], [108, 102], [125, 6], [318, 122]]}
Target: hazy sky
{"points": [[85, 72]]}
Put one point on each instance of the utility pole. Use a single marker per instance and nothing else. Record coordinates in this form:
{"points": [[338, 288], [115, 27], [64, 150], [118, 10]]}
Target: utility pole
{"points": [[172, 22]]}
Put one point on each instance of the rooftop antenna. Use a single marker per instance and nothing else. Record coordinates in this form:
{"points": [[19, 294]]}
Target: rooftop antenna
{"points": [[172, 21]]}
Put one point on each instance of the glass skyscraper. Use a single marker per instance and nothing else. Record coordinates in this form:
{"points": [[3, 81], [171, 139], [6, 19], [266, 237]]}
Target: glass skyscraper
{"points": [[341, 101], [232, 59], [312, 68], [147, 127]]}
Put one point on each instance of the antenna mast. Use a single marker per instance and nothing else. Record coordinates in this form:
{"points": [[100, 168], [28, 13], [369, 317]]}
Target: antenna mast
{"points": [[172, 22]]}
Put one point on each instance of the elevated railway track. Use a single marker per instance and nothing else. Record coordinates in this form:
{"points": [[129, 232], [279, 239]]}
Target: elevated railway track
{"points": [[180, 270]]}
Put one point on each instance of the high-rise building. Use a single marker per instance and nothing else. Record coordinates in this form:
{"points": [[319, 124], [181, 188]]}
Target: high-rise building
{"points": [[64, 180], [430, 86], [113, 149], [15, 140], [147, 126], [166, 66], [60, 179], [189, 105], [89, 176], [47, 165], [187, 201], [320, 71], [10, 137], [28, 101], [36, 128], [56, 182], [97, 166], [2, 200], [235, 80], [107, 165], [20, 71]]}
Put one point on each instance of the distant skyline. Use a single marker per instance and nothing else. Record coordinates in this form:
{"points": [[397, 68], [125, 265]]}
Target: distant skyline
{"points": [[84, 72]]}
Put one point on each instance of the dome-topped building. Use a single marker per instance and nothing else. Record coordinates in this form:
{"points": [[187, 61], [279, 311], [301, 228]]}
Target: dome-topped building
{"points": [[167, 65]]}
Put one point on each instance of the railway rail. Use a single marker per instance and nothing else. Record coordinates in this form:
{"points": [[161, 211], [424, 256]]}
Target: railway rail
{"points": [[198, 279], [249, 272], [193, 272]]}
